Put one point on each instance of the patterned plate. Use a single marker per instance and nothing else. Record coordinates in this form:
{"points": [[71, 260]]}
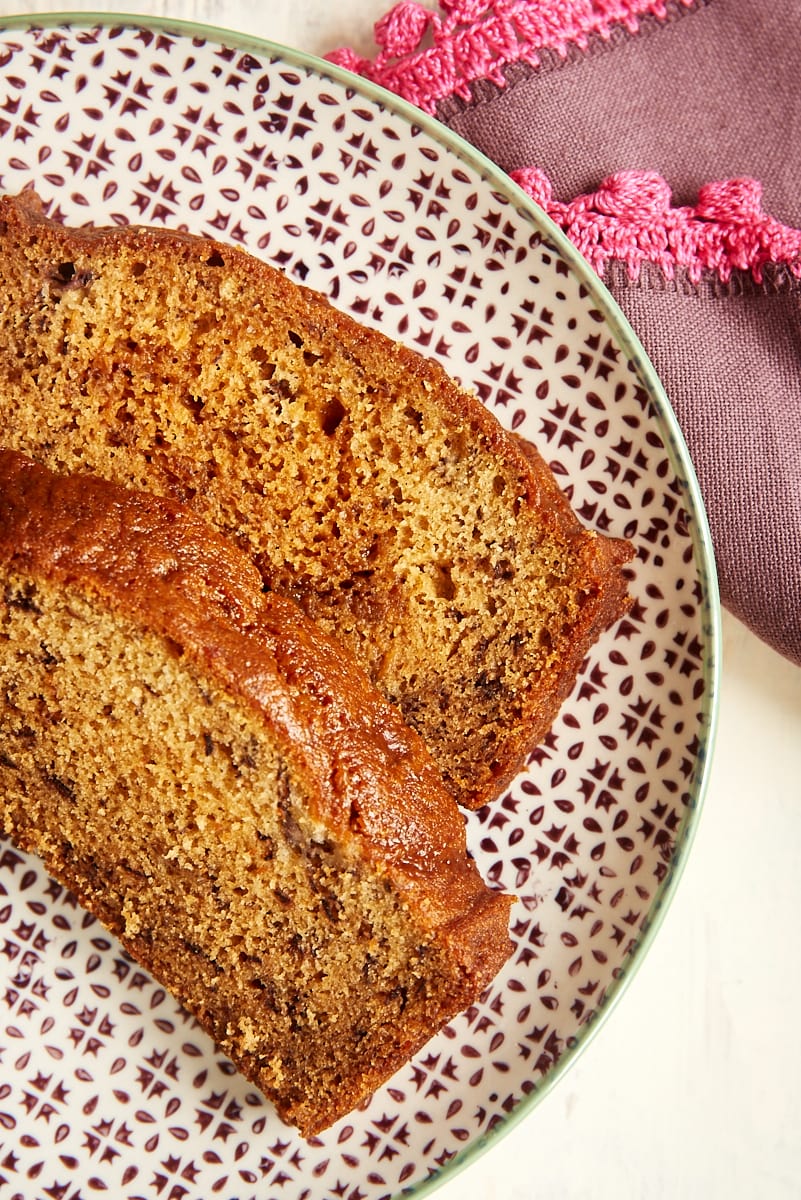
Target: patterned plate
{"points": [[105, 1084]]}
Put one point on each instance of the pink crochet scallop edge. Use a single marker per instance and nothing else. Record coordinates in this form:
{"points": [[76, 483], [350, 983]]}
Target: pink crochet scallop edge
{"points": [[477, 39], [631, 218]]}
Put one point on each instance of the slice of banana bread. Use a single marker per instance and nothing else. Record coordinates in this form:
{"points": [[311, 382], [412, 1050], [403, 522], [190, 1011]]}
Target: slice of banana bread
{"points": [[225, 789], [384, 499]]}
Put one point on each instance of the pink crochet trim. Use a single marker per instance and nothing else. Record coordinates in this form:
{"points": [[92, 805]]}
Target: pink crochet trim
{"points": [[477, 39], [630, 218]]}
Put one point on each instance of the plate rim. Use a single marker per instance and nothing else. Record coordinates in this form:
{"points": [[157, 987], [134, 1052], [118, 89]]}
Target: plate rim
{"points": [[675, 448]]}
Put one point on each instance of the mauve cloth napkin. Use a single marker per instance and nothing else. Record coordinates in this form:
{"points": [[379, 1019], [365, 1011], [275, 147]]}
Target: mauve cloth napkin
{"points": [[664, 137]]}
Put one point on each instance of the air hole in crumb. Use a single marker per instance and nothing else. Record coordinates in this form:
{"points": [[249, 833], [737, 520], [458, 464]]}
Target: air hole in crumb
{"points": [[205, 322], [266, 366], [443, 581], [138, 269], [457, 443], [67, 275], [173, 648], [332, 416], [414, 416], [499, 485], [195, 405], [215, 260], [295, 338]]}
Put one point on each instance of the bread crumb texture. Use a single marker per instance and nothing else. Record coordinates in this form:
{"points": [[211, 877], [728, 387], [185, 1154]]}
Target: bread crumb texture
{"points": [[228, 793], [387, 502]]}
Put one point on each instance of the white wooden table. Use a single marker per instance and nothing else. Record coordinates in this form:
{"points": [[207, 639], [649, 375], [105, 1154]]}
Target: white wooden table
{"points": [[693, 1088]]}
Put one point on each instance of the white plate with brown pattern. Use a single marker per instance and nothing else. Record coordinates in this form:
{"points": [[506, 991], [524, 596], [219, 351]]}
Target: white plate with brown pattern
{"points": [[105, 1083]]}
